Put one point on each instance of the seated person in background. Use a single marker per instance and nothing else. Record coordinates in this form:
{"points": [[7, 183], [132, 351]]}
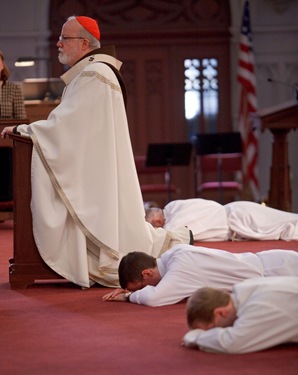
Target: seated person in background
{"points": [[257, 315], [211, 221], [11, 95], [180, 271], [11, 107]]}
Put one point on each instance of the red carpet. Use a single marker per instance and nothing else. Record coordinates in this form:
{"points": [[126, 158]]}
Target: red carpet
{"points": [[60, 329]]}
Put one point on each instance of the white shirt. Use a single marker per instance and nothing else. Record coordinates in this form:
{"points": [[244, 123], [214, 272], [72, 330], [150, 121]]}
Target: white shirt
{"points": [[186, 268], [267, 315], [210, 221], [250, 220], [205, 218]]}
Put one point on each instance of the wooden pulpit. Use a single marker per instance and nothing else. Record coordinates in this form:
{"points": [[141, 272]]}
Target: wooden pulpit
{"points": [[6, 201], [26, 266], [280, 120]]}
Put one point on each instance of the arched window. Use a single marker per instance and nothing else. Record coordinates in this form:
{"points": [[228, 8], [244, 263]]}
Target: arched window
{"points": [[201, 95]]}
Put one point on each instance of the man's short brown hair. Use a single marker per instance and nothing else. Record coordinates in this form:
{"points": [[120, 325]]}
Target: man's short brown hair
{"points": [[132, 265], [201, 304]]}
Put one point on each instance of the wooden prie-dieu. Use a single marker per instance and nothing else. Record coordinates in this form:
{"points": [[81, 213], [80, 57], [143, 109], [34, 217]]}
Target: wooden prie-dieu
{"points": [[26, 266]]}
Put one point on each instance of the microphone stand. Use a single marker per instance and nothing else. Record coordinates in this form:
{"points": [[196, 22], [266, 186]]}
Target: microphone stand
{"points": [[295, 87]]}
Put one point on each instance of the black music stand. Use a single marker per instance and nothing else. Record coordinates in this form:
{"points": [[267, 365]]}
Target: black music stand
{"points": [[218, 143], [214, 143], [168, 155]]}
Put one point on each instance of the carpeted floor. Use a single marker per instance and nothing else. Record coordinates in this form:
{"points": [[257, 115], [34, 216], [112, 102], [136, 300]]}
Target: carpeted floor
{"points": [[60, 329]]}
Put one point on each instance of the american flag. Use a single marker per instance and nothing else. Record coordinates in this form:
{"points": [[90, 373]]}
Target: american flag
{"points": [[248, 105]]}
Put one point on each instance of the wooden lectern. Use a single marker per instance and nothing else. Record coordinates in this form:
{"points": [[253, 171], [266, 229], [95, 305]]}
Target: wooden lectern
{"points": [[6, 202], [280, 120], [26, 266]]}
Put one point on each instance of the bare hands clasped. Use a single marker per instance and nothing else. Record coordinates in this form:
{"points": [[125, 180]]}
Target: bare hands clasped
{"points": [[8, 129], [115, 295]]}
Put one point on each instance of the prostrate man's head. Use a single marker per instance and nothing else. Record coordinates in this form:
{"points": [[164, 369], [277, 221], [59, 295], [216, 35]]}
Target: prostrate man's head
{"points": [[79, 36], [208, 308], [137, 270], [155, 216]]}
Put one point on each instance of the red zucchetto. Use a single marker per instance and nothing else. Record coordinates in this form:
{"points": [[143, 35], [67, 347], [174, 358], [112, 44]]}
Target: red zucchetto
{"points": [[90, 25]]}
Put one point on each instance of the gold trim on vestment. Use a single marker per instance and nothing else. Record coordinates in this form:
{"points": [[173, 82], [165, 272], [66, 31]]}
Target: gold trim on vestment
{"points": [[101, 78], [111, 252]]}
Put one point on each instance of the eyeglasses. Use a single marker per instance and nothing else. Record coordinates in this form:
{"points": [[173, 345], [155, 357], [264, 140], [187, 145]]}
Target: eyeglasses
{"points": [[65, 38]]}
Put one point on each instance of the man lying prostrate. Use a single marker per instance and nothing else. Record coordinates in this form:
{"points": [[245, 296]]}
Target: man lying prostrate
{"points": [[180, 271], [257, 315], [211, 221], [207, 218]]}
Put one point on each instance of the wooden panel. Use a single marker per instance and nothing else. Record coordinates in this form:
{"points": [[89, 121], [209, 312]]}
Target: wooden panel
{"points": [[39, 109], [6, 169], [10, 122], [146, 77], [26, 266]]}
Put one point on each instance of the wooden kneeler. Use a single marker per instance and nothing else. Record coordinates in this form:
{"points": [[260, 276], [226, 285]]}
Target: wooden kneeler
{"points": [[26, 266]]}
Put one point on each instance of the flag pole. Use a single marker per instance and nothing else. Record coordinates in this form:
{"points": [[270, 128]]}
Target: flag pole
{"points": [[248, 106]]}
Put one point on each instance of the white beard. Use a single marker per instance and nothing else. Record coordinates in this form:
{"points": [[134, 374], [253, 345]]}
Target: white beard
{"points": [[66, 58]]}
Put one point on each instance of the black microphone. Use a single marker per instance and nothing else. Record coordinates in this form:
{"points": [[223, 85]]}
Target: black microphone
{"points": [[295, 87]]}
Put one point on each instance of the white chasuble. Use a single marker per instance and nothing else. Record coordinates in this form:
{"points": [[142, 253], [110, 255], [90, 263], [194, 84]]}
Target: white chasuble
{"points": [[86, 203]]}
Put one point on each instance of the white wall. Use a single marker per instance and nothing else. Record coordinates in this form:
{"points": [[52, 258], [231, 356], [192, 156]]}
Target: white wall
{"points": [[24, 32]]}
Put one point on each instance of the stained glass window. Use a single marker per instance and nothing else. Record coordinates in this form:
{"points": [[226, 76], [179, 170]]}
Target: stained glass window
{"points": [[201, 95]]}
